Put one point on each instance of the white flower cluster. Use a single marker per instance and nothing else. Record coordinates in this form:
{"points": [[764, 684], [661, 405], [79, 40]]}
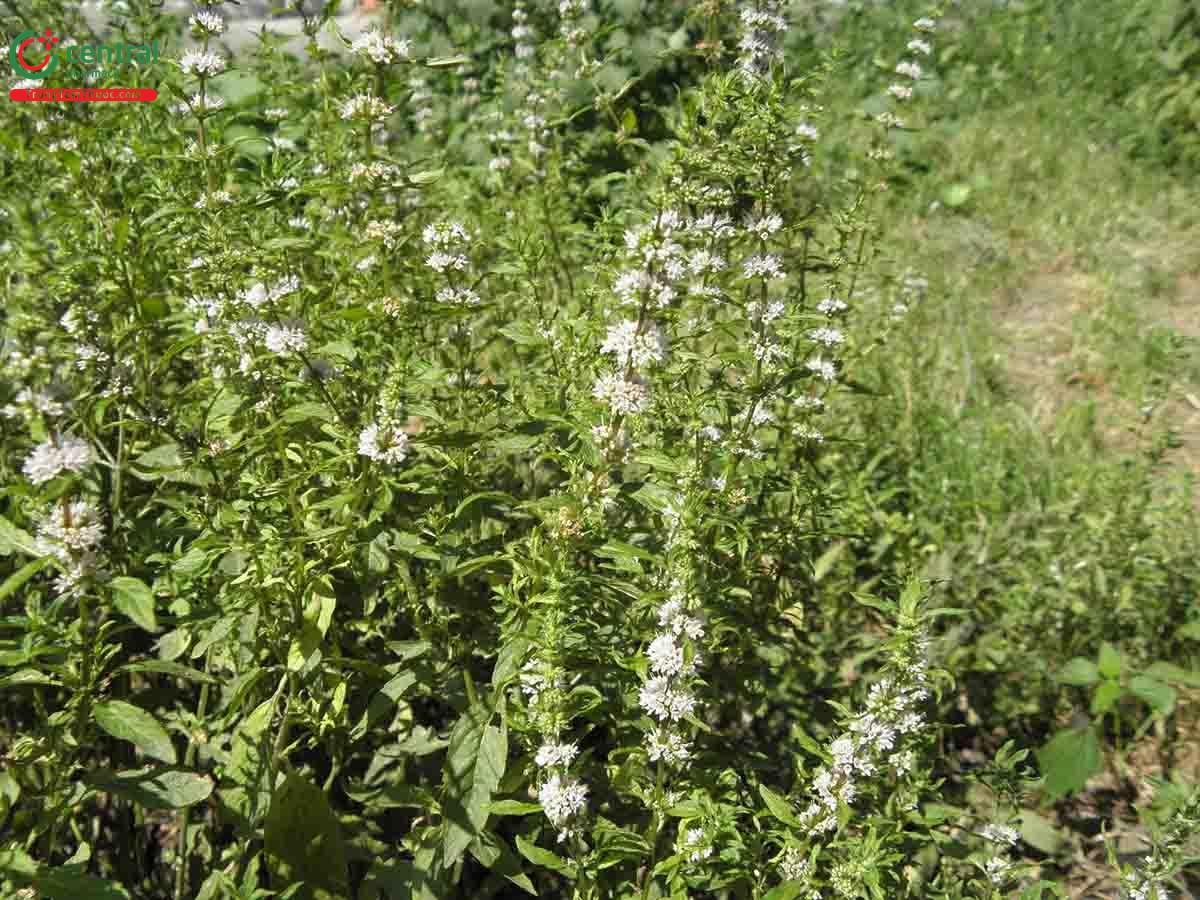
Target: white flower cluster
{"points": [[794, 865], [694, 843], [258, 293], [48, 459], [207, 21], [287, 337], [375, 172], [383, 443], [381, 48], [71, 532], [910, 68], [1001, 834], [763, 26], [390, 233], [563, 799], [29, 401], [552, 754], [420, 101], [448, 240], [634, 347], [203, 63], [892, 711], [665, 695], [199, 104], [366, 107], [624, 396], [214, 200]]}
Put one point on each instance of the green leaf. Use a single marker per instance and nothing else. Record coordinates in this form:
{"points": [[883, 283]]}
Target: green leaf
{"points": [[1106, 696], [163, 667], [1190, 631], [1172, 674], [779, 806], [513, 808], [1160, 697], [1079, 671], [444, 62], [132, 723], [153, 788], [1039, 833], [13, 539], [1110, 661], [827, 560], [789, 890], [72, 883], [956, 195], [135, 600], [303, 836], [547, 859], [18, 579], [302, 412], [27, 676], [475, 763], [1069, 759], [495, 853]]}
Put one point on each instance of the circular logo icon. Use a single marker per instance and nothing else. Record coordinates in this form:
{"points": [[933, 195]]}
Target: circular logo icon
{"points": [[23, 64]]}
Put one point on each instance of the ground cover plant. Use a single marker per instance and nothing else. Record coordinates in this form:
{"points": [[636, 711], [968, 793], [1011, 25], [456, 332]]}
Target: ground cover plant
{"points": [[580, 450]]}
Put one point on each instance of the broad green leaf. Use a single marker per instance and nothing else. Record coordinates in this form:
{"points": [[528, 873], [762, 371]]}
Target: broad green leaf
{"points": [[1039, 833], [1079, 671], [153, 788], [135, 600], [1110, 661], [1160, 697], [1173, 674], [475, 762], [1069, 759], [132, 723], [1105, 697], [303, 836]]}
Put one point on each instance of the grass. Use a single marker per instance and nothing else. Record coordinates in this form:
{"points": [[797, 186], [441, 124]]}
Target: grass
{"points": [[1046, 404]]}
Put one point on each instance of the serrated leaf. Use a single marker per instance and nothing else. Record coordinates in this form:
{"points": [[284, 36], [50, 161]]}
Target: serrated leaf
{"points": [[153, 788], [475, 763], [302, 835], [132, 723], [1069, 759], [135, 600]]}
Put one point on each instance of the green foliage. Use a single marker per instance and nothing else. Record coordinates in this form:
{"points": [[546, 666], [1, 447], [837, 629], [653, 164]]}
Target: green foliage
{"points": [[511, 462]]}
